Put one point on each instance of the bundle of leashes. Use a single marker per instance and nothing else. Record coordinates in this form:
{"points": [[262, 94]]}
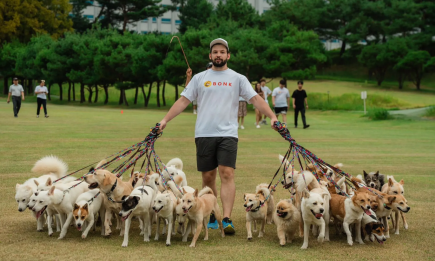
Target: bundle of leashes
{"points": [[143, 150]]}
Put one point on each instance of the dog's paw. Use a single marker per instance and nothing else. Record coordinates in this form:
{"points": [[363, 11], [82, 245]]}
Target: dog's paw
{"points": [[320, 238], [146, 240], [304, 246], [84, 236], [168, 244], [361, 242], [255, 230], [405, 226], [350, 242], [192, 245], [283, 245], [260, 235], [387, 236], [61, 237], [40, 230], [141, 233], [250, 238], [50, 234], [124, 244]]}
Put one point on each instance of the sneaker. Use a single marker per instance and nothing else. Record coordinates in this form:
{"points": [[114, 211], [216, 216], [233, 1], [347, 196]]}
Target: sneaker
{"points": [[296, 127], [212, 223], [258, 126], [264, 122], [227, 223], [37, 116], [194, 111], [241, 127], [46, 116], [306, 126]]}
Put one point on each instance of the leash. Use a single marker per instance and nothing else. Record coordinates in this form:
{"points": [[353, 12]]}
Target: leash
{"points": [[185, 58]]}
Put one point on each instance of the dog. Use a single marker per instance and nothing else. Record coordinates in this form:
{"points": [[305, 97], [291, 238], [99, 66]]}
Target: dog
{"points": [[256, 206], [164, 206], [175, 167], [47, 167], [198, 207], [114, 188], [179, 181], [287, 219], [270, 202], [372, 229], [349, 211], [374, 180], [40, 217], [395, 188], [138, 203], [312, 208], [85, 211]]}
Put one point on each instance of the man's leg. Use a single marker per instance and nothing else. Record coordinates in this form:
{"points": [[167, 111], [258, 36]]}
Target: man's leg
{"points": [[296, 116], [284, 117], [303, 117], [209, 180], [243, 120], [18, 105], [14, 105], [38, 105], [228, 189], [44, 104]]}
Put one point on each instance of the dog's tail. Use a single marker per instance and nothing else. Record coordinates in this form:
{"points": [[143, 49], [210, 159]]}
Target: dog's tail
{"points": [[264, 185], [265, 192], [50, 164], [103, 161], [360, 177], [356, 182], [338, 165], [176, 162], [302, 182], [205, 190], [174, 189], [281, 157]]}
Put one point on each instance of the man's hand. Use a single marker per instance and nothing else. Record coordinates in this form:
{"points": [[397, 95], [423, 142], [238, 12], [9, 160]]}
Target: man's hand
{"points": [[272, 122], [294, 106], [162, 125], [273, 104], [189, 73], [22, 98], [8, 101], [307, 106]]}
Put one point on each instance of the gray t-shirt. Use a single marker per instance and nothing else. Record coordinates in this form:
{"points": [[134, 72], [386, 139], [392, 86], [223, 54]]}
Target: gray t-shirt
{"points": [[266, 92], [217, 94], [281, 96], [16, 90], [41, 89]]}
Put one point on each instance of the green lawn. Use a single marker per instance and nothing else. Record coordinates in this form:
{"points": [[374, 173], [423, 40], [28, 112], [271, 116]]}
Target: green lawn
{"points": [[81, 135]]}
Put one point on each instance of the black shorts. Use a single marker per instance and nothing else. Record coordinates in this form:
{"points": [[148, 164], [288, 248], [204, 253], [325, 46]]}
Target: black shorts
{"points": [[214, 151], [280, 110]]}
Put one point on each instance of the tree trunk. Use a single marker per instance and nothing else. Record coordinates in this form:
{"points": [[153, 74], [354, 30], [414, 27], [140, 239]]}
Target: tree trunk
{"points": [[149, 94], [125, 97], [74, 91], [29, 87], [96, 93], [135, 95], [144, 96], [121, 99], [5, 86], [176, 92], [49, 91], [106, 91], [90, 93], [343, 48], [82, 93], [163, 93], [158, 93], [60, 90], [69, 91]]}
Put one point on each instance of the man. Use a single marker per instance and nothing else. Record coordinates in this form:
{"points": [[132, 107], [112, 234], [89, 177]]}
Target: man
{"points": [[299, 101], [41, 98], [281, 100], [217, 92], [16, 90], [267, 92]]}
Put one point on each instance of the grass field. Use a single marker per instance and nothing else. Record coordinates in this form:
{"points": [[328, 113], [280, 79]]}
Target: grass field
{"points": [[82, 135]]}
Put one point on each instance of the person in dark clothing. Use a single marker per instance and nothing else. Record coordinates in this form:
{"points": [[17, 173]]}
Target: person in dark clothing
{"points": [[299, 102]]}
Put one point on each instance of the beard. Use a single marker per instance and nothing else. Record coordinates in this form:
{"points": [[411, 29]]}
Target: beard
{"points": [[221, 63]]}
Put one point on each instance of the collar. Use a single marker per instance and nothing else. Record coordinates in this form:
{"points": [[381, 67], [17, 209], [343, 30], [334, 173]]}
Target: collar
{"points": [[108, 194], [255, 209], [385, 206]]}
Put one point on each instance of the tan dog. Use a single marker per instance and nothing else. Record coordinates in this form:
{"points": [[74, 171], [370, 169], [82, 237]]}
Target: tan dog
{"points": [[114, 188], [349, 211], [395, 188], [270, 202], [256, 209], [198, 207], [287, 219]]}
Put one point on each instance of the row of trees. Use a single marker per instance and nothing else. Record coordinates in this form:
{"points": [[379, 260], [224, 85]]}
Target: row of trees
{"points": [[101, 58]]}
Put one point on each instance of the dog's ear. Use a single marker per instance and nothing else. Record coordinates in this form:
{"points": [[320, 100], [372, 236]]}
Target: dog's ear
{"points": [[48, 182], [305, 193], [36, 182], [91, 169], [390, 182], [18, 185], [85, 206], [368, 228], [51, 191], [391, 199], [365, 174], [244, 197], [76, 206], [184, 191], [136, 199], [124, 197], [402, 182], [196, 193], [377, 174]]}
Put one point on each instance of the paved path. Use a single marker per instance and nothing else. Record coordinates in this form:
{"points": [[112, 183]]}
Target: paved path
{"points": [[410, 112]]}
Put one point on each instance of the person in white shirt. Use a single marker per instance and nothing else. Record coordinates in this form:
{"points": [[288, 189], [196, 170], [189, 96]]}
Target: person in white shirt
{"points": [[41, 98], [217, 92], [280, 100], [16, 90], [243, 111], [267, 92]]}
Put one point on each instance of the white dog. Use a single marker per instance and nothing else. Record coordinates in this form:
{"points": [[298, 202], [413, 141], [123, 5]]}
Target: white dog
{"points": [[313, 208], [175, 167], [85, 211], [164, 205]]}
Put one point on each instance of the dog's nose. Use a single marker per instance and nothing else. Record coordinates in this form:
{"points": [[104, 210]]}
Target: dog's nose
{"points": [[321, 210], [408, 208], [120, 214], [368, 207], [20, 209], [245, 206], [384, 239], [372, 185], [79, 225]]}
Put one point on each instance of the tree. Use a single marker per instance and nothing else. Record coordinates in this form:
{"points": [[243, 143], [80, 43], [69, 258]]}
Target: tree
{"points": [[80, 23], [240, 11], [8, 59], [415, 64], [194, 14], [124, 12]]}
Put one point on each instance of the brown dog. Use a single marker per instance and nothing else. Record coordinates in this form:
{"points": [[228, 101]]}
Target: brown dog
{"points": [[287, 219]]}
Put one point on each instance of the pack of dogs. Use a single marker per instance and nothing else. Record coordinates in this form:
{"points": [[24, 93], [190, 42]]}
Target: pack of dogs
{"points": [[362, 213]]}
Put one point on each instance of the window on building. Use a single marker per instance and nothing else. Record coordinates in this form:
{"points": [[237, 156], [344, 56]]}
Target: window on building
{"points": [[144, 32], [177, 21], [154, 20], [144, 21], [166, 33], [89, 16], [166, 21]]}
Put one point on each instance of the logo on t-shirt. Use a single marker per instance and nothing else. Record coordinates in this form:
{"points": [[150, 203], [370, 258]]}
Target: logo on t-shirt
{"points": [[207, 84]]}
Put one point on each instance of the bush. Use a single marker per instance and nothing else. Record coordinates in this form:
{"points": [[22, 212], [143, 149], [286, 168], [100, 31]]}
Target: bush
{"points": [[379, 114], [430, 112]]}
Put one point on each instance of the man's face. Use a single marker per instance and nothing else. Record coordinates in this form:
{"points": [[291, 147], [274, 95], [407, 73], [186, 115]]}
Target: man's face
{"points": [[300, 86], [263, 83], [15, 82], [281, 85], [219, 55]]}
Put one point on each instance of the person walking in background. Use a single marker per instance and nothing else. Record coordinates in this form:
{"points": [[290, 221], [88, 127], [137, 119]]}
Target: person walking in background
{"points": [[41, 98], [267, 93], [16, 90], [299, 102], [243, 111], [281, 100], [260, 93]]}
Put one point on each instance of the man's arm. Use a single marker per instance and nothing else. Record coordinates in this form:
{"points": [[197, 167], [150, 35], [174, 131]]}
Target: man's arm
{"points": [[294, 105], [176, 109], [273, 101], [22, 95], [262, 106], [306, 102], [9, 97], [288, 102]]}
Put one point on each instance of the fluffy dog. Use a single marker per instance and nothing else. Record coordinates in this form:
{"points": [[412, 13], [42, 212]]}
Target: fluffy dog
{"points": [[374, 180], [270, 203], [138, 203], [86, 208], [287, 219], [198, 207], [39, 215], [164, 205], [372, 229], [256, 209], [312, 208], [175, 167], [349, 211], [395, 188]]}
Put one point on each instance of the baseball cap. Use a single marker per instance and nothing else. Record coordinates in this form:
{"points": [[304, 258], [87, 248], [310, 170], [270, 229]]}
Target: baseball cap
{"points": [[219, 41], [15, 79]]}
